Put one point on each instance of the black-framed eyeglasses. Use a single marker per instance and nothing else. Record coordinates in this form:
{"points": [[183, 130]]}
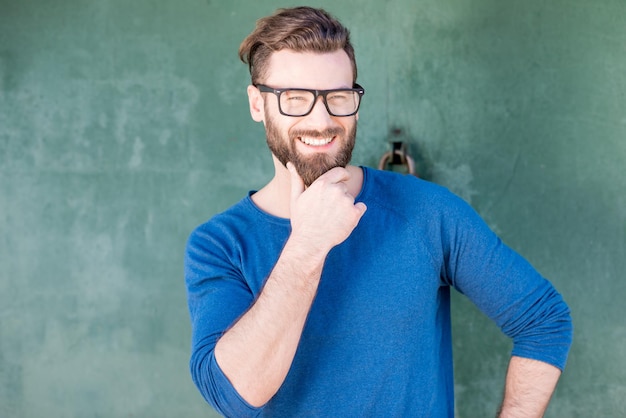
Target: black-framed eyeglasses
{"points": [[300, 102]]}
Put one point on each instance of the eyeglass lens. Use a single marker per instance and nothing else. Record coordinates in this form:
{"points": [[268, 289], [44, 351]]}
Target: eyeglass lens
{"points": [[300, 102]]}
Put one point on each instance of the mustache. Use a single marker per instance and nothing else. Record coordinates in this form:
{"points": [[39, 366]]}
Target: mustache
{"points": [[311, 133]]}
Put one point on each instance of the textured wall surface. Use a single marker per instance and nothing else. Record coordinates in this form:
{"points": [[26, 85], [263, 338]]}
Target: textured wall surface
{"points": [[125, 124]]}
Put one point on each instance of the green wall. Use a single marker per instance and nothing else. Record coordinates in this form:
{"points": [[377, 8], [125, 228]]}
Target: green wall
{"points": [[123, 124]]}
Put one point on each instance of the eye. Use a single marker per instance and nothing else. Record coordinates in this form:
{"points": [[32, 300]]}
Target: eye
{"points": [[297, 95], [338, 96]]}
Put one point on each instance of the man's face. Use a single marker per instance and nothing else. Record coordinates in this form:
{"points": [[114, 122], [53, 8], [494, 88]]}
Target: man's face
{"points": [[310, 165], [317, 142]]}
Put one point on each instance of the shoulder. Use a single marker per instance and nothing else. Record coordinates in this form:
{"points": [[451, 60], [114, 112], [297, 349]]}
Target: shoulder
{"points": [[237, 227], [224, 225], [395, 190]]}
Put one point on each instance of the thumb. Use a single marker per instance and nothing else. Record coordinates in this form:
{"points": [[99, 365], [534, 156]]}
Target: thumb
{"points": [[297, 185], [361, 208]]}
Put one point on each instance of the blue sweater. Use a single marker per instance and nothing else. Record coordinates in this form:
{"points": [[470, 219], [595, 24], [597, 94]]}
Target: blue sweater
{"points": [[377, 341]]}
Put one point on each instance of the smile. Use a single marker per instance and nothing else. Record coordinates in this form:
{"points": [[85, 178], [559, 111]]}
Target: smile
{"points": [[316, 142]]}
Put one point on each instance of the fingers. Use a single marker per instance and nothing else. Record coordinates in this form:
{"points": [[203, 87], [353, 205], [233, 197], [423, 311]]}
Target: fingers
{"points": [[335, 175]]}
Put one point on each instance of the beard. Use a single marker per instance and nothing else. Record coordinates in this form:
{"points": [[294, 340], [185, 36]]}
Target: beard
{"points": [[309, 167]]}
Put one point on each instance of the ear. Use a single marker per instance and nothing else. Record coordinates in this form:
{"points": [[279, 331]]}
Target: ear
{"points": [[257, 104]]}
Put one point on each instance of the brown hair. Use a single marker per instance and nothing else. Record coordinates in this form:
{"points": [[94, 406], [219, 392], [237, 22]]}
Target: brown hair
{"points": [[302, 29]]}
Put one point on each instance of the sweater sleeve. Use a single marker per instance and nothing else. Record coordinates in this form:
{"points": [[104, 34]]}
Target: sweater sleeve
{"points": [[217, 296], [504, 286]]}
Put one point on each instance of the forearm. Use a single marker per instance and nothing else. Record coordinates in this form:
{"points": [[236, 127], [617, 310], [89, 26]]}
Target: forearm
{"points": [[257, 352], [529, 387]]}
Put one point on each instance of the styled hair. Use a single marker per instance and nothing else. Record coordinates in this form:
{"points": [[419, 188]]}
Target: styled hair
{"points": [[301, 29]]}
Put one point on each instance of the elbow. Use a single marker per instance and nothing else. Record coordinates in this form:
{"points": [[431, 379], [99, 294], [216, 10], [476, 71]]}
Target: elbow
{"points": [[546, 333], [215, 387], [202, 377]]}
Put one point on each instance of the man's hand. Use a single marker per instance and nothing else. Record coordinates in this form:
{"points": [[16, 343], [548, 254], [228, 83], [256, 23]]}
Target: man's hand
{"points": [[323, 215]]}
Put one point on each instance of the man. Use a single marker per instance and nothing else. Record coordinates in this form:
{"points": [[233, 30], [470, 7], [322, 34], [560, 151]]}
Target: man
{"points": [[326, 293]]}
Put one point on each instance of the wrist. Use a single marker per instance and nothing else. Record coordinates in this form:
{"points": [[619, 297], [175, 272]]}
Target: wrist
{"points": [[309, 252]]}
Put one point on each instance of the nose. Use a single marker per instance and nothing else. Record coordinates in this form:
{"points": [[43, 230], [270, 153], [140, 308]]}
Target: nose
{"points": [[319, 116]]}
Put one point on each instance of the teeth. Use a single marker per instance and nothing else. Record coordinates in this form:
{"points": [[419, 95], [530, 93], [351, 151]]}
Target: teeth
{"points": [[316, 142]]}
